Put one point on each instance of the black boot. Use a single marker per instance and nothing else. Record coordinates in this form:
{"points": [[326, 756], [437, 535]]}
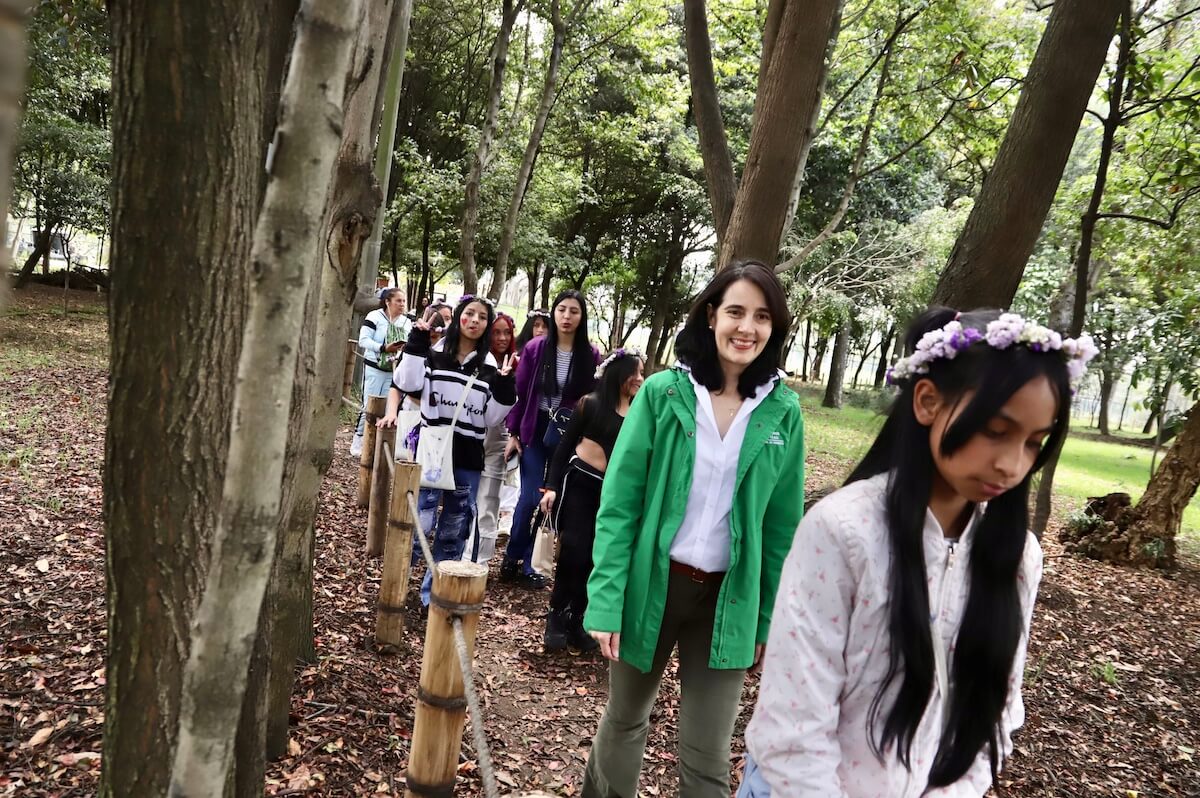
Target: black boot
{"points": [[557, 625], [578, 638], [510, 570]]}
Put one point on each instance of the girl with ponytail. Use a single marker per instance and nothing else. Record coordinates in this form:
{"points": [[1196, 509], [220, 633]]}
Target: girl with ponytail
{"points": [[895, 658]]}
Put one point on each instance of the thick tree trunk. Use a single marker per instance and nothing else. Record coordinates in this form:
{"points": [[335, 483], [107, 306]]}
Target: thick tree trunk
{"points": [[525, 173], [13, 16], [483, 150], [789, 92], [41, 250], [837, 367], [176, 325], [1107, 381], [989, 257], [1159, 514], [284, 249]]}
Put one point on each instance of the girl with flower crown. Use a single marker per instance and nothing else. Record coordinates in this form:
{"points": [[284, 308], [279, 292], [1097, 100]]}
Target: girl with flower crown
{"points": [[572, 495], [895, 658]]}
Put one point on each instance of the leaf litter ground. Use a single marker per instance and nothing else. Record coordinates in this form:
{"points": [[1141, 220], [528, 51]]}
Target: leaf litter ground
{"points": [[1112, 686]]}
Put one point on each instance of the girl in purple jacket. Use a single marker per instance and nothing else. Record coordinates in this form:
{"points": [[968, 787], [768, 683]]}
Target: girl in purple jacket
{"points": [[553, 373]]}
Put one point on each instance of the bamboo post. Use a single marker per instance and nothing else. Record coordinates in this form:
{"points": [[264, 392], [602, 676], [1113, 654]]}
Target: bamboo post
{"points": [[381, 487], [397, 557], [441, 711], [348, 370], [376, 407]]}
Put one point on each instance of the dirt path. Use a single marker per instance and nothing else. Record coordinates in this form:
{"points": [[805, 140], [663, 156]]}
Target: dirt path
{"points": [[1112, 687]]}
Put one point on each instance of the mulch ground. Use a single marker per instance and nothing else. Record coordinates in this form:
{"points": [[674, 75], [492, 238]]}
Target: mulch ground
{"points": [[1112, 685]]}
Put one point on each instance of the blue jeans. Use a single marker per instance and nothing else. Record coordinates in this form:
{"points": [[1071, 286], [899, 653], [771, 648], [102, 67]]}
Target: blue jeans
{"points": [[375, 383], [753, 784], [453, 524], [534, 459]]}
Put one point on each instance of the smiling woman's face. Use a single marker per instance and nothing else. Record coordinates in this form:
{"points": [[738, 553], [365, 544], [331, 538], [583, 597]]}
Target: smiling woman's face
{"points": [[741, 325]]}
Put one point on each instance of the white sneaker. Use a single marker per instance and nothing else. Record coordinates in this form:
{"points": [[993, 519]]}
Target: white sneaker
{"points": [[356, 446]]}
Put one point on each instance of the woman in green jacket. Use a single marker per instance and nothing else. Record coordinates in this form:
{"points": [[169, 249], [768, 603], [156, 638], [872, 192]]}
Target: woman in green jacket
{"points": [[704, 490]]}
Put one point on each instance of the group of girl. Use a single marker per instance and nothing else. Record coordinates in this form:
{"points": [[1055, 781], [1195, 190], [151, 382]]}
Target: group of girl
{"points": [[890, 622]]}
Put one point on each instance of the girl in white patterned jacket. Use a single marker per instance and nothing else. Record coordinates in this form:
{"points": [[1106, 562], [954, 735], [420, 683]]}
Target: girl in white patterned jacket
{"points": [[894, 662]]}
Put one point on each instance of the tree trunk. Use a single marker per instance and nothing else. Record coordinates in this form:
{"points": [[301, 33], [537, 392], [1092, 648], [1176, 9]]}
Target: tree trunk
{"points": [[547, 280], [807, 344], [41, 249], [989, 257], [796, 42], [884, 356], [483, 150], [837, 367], [1124, 405], [525, 173], [13, 17], [818, 358], [666, 288], [1107, 382], [1159, 514], [171, 393], [284, 249]]}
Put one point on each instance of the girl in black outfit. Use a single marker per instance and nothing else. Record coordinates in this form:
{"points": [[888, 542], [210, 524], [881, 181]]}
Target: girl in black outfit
{"points": [[573, 493]]}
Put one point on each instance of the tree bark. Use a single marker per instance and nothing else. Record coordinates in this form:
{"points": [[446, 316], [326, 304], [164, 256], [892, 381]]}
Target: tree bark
{"points": [[884, 356], [1159, 514], [989, 257], [483, 150], [789, 94], [525, 173], [1107, 381], [710, 126], [818, 358], [170, 392], [666, 288], [41, 249], [13, 17], [837, 367], [284, 248]]}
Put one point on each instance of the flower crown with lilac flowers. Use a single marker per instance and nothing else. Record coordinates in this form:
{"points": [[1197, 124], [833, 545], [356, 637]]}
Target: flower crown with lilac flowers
{"points": [[473, 298], [615, 355], [1009, 329]]}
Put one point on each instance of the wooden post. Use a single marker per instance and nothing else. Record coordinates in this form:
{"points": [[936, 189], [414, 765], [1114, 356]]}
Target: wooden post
{"points": [[348, 370], [458, 589], [381, 487], [397, 557], [376, 407]]}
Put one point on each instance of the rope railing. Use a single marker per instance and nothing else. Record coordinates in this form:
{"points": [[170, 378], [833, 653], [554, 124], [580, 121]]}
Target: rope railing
{"points": [[482, 751]]}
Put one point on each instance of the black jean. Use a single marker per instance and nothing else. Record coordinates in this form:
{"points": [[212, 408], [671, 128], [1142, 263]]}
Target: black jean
{"points": [[575, 509]]}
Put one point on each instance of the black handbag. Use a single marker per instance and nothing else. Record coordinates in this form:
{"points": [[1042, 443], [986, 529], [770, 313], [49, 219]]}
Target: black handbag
{"points": [[556, 426]]}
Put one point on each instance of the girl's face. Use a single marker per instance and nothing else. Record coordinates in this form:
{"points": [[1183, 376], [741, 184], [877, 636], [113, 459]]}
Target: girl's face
{"points": [[741, 324], [502, 337], [473, 321], [396, 304], [540, 327], [1001, 454], [630, 388], [567, 315]]}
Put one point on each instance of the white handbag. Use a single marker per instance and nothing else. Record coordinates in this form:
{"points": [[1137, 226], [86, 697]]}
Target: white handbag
{"points": [[405, 421], [435, 449]]}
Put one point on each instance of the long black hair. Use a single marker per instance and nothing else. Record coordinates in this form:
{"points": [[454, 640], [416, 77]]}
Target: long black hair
{"points": [[526, 334], [616, 374], [696, 345], [582, 374], [454, 330], [992, 621]]}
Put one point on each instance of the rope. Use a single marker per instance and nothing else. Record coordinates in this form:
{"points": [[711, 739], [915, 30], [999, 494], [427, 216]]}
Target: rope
{"points": [[387, 458], [353, 405], [479, 737]]}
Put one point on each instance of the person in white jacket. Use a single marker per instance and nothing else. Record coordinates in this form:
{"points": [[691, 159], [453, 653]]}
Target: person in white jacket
{"points": [[381, 338], [897, 647]]}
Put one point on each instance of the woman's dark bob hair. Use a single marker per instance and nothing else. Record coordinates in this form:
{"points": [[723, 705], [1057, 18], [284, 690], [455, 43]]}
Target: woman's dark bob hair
{"points": [[696, 345]]}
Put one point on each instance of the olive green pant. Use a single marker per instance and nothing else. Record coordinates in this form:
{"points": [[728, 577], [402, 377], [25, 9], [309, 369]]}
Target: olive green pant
{"points": [[708, 704]]}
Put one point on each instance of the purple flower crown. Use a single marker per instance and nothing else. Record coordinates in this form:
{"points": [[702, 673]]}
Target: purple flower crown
{"points": [[614, 355], [1009, 329]]}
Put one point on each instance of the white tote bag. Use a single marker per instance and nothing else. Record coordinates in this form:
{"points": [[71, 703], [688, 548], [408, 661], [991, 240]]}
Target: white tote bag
{"points": [[435, 449]]}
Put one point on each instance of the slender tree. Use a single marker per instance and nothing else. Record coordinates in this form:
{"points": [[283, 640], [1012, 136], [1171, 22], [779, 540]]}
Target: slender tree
{"points": [[13, 14]]}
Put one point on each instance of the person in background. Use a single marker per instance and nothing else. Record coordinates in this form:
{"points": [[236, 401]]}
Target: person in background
{"points": [[381, 338], [537, 324], [896, 656], [556, 370], [440, 373], [483, 543], [700, 502], [572, 495]]}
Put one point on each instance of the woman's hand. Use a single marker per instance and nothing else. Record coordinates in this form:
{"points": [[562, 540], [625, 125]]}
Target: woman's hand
{"points": [[760, 649], [423, 324], [395, 346], [547, 502], [610, 644], [506, 367], [513, 446], [387, 421]]}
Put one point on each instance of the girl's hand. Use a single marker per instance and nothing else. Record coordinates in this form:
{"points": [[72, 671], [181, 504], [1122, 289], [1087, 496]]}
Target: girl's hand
{"points": [[760, 650], [610, 644], [423, 324], [547, 502], [510, 363], [513, 446], [388, 420]]}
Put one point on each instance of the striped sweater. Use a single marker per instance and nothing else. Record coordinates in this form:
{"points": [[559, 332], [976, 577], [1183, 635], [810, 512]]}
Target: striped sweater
{"points": [[440, 379]]}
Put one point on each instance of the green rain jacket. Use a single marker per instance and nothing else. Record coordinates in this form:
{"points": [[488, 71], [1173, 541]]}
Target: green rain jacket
{"points": [[642, 504]]}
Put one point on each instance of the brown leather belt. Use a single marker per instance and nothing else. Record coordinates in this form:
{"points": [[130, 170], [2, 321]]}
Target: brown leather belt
{"points": [[695, 574]]}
